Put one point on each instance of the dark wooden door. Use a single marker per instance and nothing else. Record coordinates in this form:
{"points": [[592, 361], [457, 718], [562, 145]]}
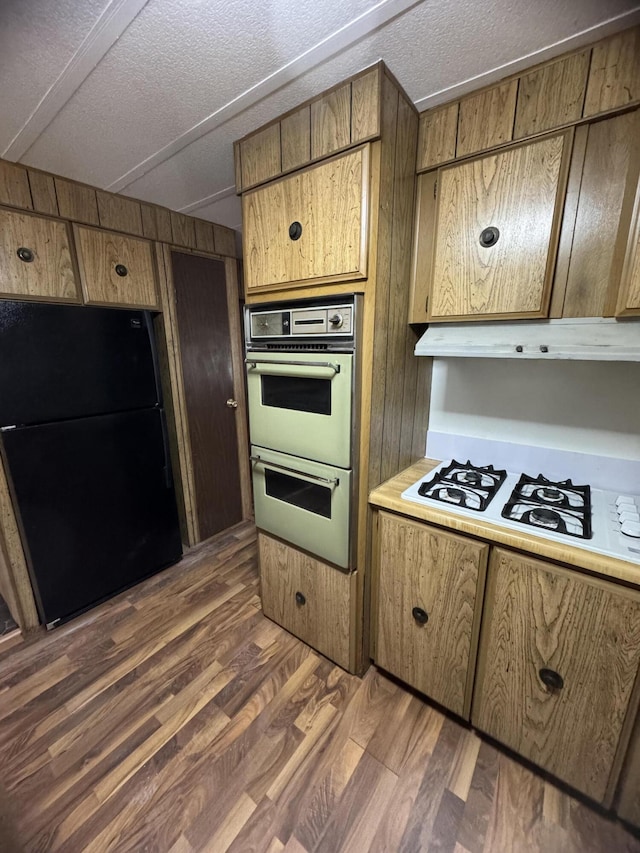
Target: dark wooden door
{"points": [[205, 347]]}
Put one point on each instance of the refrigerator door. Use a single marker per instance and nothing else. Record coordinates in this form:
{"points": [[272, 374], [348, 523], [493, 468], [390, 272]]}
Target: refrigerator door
{"points": [[96, 505], [66, 361]]}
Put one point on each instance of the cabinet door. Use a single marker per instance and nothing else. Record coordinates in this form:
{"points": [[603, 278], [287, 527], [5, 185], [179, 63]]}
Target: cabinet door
{"points": [[309, 226], [307, 597], [496, 233], [115, 270], [558, 660], [629, 296], [35, 258], [429, 599]]}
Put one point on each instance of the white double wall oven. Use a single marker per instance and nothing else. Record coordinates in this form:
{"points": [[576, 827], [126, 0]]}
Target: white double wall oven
{"points": [[301, 361]]}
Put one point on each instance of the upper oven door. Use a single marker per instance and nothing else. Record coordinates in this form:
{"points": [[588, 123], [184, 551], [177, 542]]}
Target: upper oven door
{"points": [[301, 403]]}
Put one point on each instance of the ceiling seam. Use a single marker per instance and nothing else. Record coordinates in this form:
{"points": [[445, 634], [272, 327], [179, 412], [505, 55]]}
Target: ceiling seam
{"points": [[219, 195], [112, 23], [366, 23]]}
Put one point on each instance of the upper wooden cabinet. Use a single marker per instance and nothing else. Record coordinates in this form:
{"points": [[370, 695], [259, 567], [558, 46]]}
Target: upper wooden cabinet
{"points": [[115, 270], [559, 656], [35, 258], [429, 598], [629, 296], [310, 226], [496, 224]]}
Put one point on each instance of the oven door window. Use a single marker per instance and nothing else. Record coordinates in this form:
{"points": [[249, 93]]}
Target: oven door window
{"points": [[297, 393], [300, 493]]}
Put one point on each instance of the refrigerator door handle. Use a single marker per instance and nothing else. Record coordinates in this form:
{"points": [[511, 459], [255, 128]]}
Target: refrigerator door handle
{"points": [[168, 474]]}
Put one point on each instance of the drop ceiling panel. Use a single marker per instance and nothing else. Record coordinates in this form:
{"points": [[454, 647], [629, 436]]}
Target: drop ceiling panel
{"points": [[37, 40]]}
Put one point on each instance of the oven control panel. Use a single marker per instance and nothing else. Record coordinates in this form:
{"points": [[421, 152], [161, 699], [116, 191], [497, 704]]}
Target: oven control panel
{"points": [[335, 320]]}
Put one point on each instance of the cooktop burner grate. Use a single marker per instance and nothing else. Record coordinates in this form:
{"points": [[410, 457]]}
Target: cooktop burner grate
{"points": [[555, 506], [464, 485]]}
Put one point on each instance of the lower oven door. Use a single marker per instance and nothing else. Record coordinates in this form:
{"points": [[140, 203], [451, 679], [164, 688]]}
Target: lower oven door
{"points": [[303, 502], [300, 402]]}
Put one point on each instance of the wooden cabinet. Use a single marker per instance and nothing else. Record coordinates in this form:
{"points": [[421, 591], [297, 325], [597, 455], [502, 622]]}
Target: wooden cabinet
{"points": [[307, 597], [310, 226], [629, 295], [429, 598], [558, 660], [496, 227], [115, 269], [35, 258]]}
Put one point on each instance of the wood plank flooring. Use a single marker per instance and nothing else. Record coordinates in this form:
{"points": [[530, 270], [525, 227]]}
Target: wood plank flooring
{"points": [[177, 718]]}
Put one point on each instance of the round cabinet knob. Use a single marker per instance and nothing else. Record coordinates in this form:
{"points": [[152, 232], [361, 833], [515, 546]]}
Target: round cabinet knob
{"points": [[121, 270], [336, 321], [231, 403], [300, 599], [519, 348], [421, 616], [552, 680], [489, 237], [25, 254], [295, 231]]}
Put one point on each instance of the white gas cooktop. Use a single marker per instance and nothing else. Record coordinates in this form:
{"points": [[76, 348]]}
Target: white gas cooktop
{"points": [[610, 512]]}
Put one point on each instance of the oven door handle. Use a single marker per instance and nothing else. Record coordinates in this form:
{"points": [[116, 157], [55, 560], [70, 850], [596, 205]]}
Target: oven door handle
{"points": [[254, 362], [335, 481]]}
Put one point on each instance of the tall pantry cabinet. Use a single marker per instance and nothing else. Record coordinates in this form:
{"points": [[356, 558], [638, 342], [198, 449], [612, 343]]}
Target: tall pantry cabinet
{"points": [[342, 166]]}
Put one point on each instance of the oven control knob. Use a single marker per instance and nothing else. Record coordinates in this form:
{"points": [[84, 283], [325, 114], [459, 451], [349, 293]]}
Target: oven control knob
{"points": [[336, 321], [631, 528]]}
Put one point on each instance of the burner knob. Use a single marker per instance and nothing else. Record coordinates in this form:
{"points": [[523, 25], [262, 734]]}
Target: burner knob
{"points": [[628, 515], [631, 528], [624, 500]]}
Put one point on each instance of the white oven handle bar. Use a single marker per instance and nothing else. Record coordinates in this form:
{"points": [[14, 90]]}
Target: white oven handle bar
{"points": [[254, 362], [332, 482]]}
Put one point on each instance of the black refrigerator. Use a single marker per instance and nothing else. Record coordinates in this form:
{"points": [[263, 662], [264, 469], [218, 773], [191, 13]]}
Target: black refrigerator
{"points": [[84, 442]]}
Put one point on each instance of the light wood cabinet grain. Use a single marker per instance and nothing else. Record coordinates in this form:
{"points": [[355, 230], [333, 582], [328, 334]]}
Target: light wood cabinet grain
{"points": [[49, 275], [119, 213], [486, 119], [224, 240], [365, 106], [77, 201], [614, 77], [163, 225], [423, 571], [260, 156], [628, 800], [437, 136], [307, 597], [204, 236], [14, 186], [295, 139], [115, 270], [629, 294], [540, 618], [423, 245], [331, 122], [329, 201], [519, 193], [183, 230], [552, 95], [43, 192]]}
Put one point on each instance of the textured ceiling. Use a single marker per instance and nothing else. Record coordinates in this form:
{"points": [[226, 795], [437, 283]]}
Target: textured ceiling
{"points": [[146, 97]]}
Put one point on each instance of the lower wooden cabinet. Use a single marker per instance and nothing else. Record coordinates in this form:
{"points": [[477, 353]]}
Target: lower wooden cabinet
{"points": [[429, 598], [559, 656], [307, 597], [115, 269]]}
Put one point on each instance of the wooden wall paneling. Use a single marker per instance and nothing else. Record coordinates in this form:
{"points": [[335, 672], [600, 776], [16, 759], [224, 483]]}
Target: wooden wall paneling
{"points": [[614, 77], [99, 252], [119, 213], [424, 234], [77, 201], [204, 236], [365, 105], [486, 119], [629, 295], [437, 136], [148, 216], [163, 224], [567, 228], [295, 137], [179, 426], [13, 564], [239, 390], [331, 122], [43, 192], [14, 186], [225, 241], [585, 629], [51, 274], [183, 230], [604, 178], [423, 400], [260, 157], [552, 95]]}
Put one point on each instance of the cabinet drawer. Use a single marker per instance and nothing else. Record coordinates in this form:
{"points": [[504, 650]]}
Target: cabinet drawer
{"points": [[558, 661], [35, 258], [309, 226], [428, 613], [115, 269], [307, 597]]}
